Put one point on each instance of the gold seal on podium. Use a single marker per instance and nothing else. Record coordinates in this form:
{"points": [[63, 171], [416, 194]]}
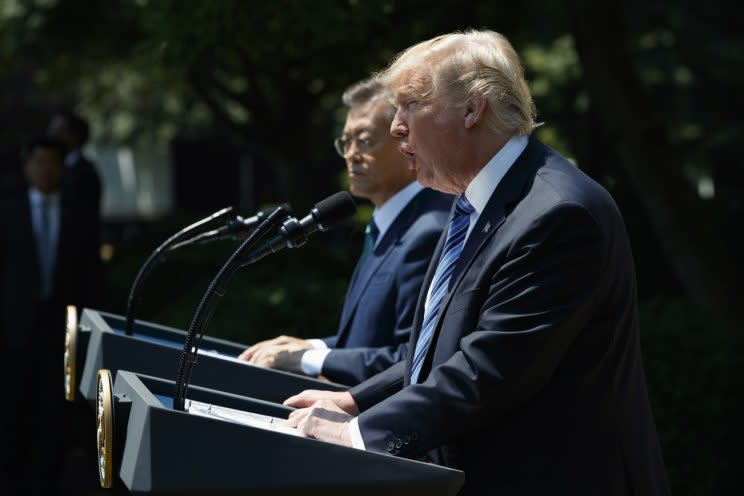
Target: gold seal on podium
{"points": [[105, 425], [71, 330]]}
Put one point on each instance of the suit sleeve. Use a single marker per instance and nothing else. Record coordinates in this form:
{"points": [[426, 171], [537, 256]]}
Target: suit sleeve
{"points": [[378, 387], [354, 365], [538, 301], [330, 341]]}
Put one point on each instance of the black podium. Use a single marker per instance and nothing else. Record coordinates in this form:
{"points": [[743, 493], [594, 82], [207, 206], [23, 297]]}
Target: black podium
{"points": [[154, 350], [230, 444]]}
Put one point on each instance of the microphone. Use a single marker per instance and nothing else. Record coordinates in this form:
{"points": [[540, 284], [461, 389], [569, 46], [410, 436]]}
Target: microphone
{"points": [[294, 233], [236, 228], [215, 291], [158, 256]]}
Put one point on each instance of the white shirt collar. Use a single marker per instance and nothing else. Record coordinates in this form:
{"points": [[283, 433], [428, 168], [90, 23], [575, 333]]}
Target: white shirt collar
{"points": [[36, 197], [481, 188], [386, 213]]}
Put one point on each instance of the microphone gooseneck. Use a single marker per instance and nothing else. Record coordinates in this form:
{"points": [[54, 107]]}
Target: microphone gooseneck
{"points": [[292, 233], [235, 229], [156, 258], [206, 306]]}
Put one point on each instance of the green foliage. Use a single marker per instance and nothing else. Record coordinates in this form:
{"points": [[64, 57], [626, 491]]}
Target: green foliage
{"points": [[692, 367]]}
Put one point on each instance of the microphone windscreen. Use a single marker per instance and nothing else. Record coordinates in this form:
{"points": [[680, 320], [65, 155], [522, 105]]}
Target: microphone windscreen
{"points": [[334, 209]]}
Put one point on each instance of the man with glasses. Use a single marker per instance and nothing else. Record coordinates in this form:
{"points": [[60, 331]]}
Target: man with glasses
{"points": [[398, 244]]}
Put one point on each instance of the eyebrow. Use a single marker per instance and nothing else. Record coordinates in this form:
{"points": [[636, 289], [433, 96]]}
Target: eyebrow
{"points": [[404, 92], [357, 131]]}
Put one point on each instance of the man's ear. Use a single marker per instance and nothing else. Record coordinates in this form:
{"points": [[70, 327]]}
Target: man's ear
{"points": [[475, 110]]}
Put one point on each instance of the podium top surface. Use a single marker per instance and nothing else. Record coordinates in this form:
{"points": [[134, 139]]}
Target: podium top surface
{"points": [[154, 333], [228, 451], [172, 338]]}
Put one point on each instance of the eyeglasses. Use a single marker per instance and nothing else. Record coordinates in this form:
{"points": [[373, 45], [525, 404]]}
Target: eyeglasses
{"points": [[363, 145]]}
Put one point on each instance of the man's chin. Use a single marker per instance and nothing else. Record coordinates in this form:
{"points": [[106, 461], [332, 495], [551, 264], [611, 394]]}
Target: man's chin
{"points": [[358, 190], [424, 178]]}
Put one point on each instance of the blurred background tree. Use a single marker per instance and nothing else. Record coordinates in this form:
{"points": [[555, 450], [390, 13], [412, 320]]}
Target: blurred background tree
{"points": [[640, 94]]}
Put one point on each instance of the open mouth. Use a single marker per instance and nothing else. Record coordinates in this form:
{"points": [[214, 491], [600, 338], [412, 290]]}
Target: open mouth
{"points": [[406, 151]]}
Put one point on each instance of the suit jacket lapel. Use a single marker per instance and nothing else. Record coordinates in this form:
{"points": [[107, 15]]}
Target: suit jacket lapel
{"points": [[508, 192], [385, 246], [363, 276], [28, 237]]}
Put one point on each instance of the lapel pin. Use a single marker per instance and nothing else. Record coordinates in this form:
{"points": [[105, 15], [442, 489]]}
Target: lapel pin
{"points": [[486, 228]]}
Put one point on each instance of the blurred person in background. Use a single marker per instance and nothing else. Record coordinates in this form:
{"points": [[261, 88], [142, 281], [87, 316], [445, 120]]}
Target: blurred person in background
{"points": [[47, 260], [399, 241], [82, 185]]}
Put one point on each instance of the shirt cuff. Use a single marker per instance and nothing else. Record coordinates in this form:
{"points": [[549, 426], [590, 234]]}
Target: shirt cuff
{"points": [[355, 434], [312, 361], [317, 344]]}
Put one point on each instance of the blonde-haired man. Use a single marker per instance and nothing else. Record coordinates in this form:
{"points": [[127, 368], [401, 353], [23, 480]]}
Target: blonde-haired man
{"points": [[524, 366]]}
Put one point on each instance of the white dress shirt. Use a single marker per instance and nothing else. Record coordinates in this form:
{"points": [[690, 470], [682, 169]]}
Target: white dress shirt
{"points": [[478, 193], [46, 243], [384, 216]]}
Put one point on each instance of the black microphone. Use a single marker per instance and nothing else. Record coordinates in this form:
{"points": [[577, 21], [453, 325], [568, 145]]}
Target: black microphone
{"points": [[294, 233], [157, 257], [236, 228], [204, 310]]}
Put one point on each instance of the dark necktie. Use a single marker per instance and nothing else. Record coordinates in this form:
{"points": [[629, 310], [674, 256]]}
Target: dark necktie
{"points": [[371, 232], [456, 232]]}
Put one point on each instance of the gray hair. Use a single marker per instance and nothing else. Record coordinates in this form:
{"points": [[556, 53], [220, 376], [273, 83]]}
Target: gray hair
{"points": [[365, 92]]}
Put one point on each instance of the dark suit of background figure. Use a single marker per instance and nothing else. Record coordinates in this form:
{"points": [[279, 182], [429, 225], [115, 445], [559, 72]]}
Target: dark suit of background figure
{"points": [[533, 382], [81, 189], [380, 302], [32, 334]]}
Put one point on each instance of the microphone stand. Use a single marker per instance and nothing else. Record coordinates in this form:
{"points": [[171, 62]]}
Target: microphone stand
{"points": [[206, 306], [156, 258]]}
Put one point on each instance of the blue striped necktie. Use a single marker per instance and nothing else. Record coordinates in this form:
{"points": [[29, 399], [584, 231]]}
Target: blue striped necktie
{"points": [[456, 232]]}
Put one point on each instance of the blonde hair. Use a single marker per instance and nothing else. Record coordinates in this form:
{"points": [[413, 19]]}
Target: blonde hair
{"points": [[464, 65]]}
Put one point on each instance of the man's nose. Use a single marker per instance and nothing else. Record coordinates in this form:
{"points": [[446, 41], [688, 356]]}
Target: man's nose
{"points": [[353, 154], [398, 128]]}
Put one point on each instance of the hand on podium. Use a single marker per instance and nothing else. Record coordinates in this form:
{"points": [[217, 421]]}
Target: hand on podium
{"points": [[324, 420], [282, 357], [256, 351], [342, 399]]}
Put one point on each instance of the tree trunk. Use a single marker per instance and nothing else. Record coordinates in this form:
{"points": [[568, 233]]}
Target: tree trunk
{"points": [[685, 226]]}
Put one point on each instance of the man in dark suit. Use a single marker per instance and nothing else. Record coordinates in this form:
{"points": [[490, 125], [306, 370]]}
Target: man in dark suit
{"points": [[47, 260], [399, 241], [524, 367], [82, 186]]}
